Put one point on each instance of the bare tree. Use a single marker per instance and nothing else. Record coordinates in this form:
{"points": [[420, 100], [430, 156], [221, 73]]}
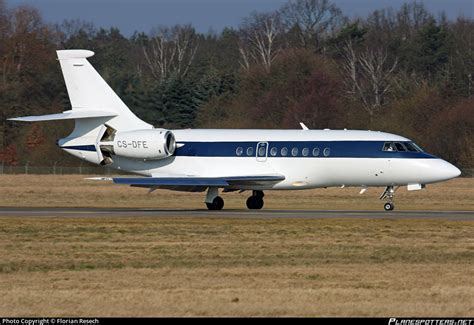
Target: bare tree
{"points": [[462, 58], [171, 51], [367, 75], [350, 72], [244, 55], [412, 17], [385, 25], [4, 31], [23, 40], [3, 18], [74, 27], [377, 70], [258, 41], [313, 20]]}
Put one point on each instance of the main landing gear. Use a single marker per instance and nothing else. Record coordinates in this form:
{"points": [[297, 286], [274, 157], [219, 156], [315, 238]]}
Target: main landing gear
{"points": [[255, 202], [387, 195], [215, 202]]}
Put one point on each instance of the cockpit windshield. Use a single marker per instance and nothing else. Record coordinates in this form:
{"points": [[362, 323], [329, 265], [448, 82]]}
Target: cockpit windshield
{"points": [[410, 147], [401, 147], [417, 147], [389, 146]]}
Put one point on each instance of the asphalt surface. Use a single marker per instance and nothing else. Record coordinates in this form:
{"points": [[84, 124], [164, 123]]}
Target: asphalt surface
{"points": [[270, 214]]}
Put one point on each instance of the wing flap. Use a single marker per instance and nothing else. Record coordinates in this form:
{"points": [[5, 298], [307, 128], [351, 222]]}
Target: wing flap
{"points": [[254, 180], [170, 181]]}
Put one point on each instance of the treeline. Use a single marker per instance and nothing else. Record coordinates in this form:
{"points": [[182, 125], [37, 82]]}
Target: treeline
{"points": [[405, 70]]}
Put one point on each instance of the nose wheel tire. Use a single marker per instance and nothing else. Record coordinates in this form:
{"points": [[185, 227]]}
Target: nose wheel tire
{"points": [[389, 206], [255, 202], [217, 204], [388, 194]]}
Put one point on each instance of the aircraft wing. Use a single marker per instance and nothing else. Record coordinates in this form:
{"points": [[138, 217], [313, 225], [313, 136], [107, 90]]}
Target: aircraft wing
{"points": [[192, 183]]}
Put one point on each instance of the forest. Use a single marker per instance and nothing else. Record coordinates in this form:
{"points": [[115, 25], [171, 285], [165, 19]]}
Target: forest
{"points": [[403, 70]]}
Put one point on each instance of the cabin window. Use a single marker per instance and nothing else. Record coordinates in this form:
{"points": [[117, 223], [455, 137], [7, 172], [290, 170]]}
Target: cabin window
{"points": [[400, 146], [261, 152], [315, 152], [326, 152], [294, 152], [284, 151], [389, 146], [305, 152], [273, 151], [249, 151], [239, 151]]}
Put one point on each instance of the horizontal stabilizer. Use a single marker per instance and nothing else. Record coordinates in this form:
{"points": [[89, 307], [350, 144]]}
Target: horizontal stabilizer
{"points": [[67, 115], [199, 181]]}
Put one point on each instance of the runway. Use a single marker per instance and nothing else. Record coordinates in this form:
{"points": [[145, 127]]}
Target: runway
{"points": [[266, 214]]}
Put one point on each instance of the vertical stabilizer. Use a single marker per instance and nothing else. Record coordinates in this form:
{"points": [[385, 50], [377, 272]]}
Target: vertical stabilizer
{"points": [[87, 90]]}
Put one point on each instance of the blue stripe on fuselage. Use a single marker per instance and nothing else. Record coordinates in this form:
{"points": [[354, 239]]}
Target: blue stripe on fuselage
{"points": [[338, 149], [83, 147]]}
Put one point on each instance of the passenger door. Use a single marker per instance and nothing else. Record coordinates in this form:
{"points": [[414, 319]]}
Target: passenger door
{"points": [[262, 151]]}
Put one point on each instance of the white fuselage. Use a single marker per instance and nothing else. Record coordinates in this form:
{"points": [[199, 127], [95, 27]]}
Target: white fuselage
{"points": [[353, 158]]}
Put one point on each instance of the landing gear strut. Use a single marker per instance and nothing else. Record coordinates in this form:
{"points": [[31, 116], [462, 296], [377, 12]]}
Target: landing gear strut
{"points": [[387, 195], [255, 202]]}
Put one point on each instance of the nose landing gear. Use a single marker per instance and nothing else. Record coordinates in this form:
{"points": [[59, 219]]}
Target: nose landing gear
{"points": [[387, 195], [389, 206]]}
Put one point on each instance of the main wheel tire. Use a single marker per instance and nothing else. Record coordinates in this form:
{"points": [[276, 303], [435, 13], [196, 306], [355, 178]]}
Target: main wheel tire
{"points": [[255, 202], [388, 206], [217, 204]]}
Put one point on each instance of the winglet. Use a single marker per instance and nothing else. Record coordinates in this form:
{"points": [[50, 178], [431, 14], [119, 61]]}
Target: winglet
{"points": [[303, 126]]}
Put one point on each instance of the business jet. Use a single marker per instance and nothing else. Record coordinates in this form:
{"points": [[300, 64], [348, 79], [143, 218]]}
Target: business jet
{"points": [[108, 134]]}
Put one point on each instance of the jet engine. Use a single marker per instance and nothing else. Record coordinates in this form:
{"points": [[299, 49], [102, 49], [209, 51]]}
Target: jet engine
{"points": [[151, 144]]}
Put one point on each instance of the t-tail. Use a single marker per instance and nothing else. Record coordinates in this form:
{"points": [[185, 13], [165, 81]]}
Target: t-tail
{"points": [[102, 120]]}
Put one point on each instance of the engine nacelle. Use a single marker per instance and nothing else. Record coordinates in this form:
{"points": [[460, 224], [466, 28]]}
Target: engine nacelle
{"points": [[144, 144]]}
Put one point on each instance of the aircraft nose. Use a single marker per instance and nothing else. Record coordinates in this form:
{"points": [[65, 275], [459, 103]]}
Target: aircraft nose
{"points": [[445, 170]]}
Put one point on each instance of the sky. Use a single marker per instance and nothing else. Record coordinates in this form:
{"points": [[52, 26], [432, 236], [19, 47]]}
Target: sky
{"points": [[204, 15]]}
